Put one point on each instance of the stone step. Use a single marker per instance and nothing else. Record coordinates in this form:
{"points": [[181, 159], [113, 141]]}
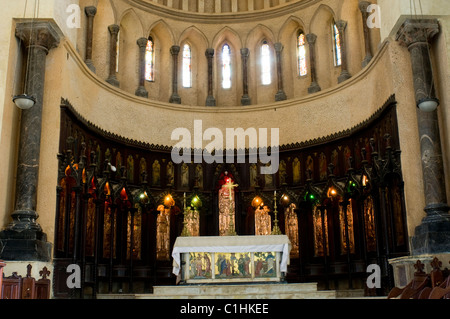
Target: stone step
{"points": [[234, 289], [290, 295]]}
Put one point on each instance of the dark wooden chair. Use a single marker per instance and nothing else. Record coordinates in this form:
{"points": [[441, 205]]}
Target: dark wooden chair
{"points": [[18, 287], [436, 277], [441, 291], [412, 290]]}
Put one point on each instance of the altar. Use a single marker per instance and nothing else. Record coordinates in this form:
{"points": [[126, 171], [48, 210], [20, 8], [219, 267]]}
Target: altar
{"points": [[225, 259]]}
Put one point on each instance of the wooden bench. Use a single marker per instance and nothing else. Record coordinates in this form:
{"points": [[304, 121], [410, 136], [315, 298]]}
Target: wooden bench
{"points": [[420, 281], [18, 287]]}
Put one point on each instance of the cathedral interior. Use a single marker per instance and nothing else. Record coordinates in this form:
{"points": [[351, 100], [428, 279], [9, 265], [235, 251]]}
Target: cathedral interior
{"points": [[126, 124]]}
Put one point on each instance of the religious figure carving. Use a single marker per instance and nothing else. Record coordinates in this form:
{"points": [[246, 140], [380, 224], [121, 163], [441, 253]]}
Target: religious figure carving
{"points": [[184, 175], [253, 175], [268, 178], [282, 172], [226, 205], [163, 233], [156, 178], [118, 164], [291, 226], [369, 224], [199, 175], [310, 164], [351, 237], [322, 167], [193, 221], [263, 222], [130, 168], [296, 170], [319, 227], [170, 173], [142, 168]]}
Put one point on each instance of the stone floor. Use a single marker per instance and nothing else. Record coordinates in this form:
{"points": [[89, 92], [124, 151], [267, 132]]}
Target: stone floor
{"points": [[241, 291]]}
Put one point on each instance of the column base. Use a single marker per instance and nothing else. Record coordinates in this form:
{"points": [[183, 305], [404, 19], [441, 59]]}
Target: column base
{"points": [[113, 81], [246, 100], [90, 65], [26, 245], [345, 75], [366, 60], [210, 101], [280, 96], [175, 99], [314, 88], [142, 92], [432, 236]]}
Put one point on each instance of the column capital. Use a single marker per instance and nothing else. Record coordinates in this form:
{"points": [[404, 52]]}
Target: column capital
{"points": [[114, 29], [45, 34], [311, 38], [174, 49], [363, 5], [415, 31], [209, 53], [341, 25], [278, 47], [142, 42], [90, 11], [245, 52]]}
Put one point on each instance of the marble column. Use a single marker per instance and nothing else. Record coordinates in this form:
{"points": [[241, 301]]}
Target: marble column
{"points": [[245, 100], [433, 234], [175, 98], [280, 95], [90, 13], [210, 100], [114, 32], [23, 238], [141, 91], [314, 87], [345, 75], [363, 5]]}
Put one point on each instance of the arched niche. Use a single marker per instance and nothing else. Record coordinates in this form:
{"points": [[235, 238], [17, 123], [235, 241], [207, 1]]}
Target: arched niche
{"points": [[161, 88], [130, 32], [294, 85], [230, 96], [258, 92], [196, 95], [321, 25]]}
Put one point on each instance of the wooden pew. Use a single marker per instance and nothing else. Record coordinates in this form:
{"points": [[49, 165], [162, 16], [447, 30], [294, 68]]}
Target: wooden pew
{"points": [[16, 287], [412, 290]]}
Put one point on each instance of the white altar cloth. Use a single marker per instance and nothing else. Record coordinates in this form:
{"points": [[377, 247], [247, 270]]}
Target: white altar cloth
{"points": [[231, 244]]}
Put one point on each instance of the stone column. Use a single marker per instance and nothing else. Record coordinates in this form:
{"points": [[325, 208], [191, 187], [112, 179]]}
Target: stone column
{"points": [[114, 32], [363, 5], [345, 75], [314, 87], [210, 100], [23, 238], [280, 95], [174, 51], [433, 234], [245, 100], [90, 13], [141, 91]]}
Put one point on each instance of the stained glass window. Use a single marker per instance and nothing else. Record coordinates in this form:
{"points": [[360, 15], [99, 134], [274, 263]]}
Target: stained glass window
{"points": [[187, 68], [265, 64], [149, 60], [226, 67], [337, 46], [301, 43]]}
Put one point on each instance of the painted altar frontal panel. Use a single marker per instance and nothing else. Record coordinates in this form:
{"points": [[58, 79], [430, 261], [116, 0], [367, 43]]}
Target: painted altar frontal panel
{"points": [[202, 267]]}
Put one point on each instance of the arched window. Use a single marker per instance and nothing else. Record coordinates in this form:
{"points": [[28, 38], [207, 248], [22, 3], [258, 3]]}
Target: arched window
{"points": [[266, 76], [301, 47], [226, 67], [187, 67], [337, 46], [150, 60]]}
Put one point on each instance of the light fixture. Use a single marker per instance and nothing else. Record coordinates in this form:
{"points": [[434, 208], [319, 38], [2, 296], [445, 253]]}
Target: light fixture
{"points": [[24, 101], [428, 104]]}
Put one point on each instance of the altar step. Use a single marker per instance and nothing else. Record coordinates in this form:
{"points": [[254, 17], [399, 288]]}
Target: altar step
{"points": [[253, 291]]}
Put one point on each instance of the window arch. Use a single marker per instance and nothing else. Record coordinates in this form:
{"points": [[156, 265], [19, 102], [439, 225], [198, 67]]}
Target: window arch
{"points": [[301, 54], [266, 76], [150, 60], [187, 66], [226, 66], [337, 45]]}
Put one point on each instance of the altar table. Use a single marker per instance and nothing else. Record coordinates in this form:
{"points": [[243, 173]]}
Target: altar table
{"points": [[213, 259]]}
